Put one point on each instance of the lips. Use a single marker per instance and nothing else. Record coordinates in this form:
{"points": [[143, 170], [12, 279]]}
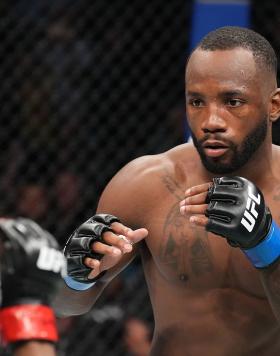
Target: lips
{"points": [[213, 148]]}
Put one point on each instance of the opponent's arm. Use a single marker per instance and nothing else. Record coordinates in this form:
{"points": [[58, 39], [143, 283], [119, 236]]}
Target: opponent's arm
{"points": [[31, 266], [34, 348], [234, 208]]}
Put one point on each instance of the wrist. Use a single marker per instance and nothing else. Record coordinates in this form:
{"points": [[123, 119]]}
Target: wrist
{"points": [[267, 251], [34, 348], [28, 322]]}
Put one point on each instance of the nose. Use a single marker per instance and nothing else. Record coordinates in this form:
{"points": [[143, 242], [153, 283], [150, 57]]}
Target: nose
{"points": [[214, 121]]}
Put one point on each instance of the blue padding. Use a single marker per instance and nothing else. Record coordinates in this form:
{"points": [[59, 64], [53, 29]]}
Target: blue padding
{"points": [[71, 283], [210, 14], [268, 251]]}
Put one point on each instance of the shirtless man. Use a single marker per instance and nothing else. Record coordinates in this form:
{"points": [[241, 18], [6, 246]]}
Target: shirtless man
{"points": [[208, 297]]}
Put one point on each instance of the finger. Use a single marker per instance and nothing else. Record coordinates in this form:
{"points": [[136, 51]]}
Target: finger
{"points": [[199, 220], [120, 229], [94, 273], [197, 189], [110, 254], [94, 265], [119, 241], [195, 199], [105, 249], [193, 209], [91, 263], [135, 236]]}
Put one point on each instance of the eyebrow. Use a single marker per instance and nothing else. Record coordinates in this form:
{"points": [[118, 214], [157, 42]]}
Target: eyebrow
{"points": [[193, 93], [233, 92], [226, 93]]}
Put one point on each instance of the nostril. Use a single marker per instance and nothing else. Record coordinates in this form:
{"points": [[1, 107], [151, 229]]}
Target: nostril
{"points": [[213, 130]]}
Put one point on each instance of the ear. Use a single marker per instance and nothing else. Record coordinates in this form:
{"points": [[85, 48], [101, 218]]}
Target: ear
{"points": [[275, 105]]}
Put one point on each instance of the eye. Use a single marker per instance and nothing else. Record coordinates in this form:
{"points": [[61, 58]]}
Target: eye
{"points": [[234, 102], [196, 102]]}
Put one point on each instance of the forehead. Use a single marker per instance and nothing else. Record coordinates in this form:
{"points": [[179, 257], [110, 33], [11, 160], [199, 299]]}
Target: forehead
{"points": [[233, 67]]}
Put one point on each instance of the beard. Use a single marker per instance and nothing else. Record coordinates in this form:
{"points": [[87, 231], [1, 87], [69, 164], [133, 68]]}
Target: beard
{"points": [[240, 154]]}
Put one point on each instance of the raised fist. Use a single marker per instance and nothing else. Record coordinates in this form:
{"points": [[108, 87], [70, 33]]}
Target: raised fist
{"points": [[234, 207], [236, 210], [95, 246]]}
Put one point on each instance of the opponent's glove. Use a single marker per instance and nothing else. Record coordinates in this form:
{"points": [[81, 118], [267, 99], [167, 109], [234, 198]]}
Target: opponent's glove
{"points": [[31, 267], [237, 211], [78, 247]]}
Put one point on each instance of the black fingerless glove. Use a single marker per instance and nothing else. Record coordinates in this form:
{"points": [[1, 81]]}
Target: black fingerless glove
{"points": [[237, 211], [78, 247]]}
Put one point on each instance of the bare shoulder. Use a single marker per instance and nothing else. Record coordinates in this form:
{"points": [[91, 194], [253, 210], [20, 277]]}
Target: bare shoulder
{"points": [[141, 182]]}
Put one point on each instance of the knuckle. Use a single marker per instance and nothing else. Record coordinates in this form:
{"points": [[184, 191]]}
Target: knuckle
{"points": [[98, 247], [115, 251]]}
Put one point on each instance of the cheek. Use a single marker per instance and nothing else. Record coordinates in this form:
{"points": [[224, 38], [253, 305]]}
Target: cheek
{"points": [[194, 118]]}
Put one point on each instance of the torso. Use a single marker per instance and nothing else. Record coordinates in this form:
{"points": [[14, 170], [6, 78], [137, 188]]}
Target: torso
{"points": [[207, 298]]}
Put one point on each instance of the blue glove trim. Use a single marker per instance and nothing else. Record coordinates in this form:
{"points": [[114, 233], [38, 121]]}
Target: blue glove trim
{"points": [[267, 251], [79, 286]]}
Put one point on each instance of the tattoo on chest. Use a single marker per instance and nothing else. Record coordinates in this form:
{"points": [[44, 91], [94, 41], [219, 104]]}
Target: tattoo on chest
{"points": [[173, 187], [200, 256], [174, 245], [184, 249]]}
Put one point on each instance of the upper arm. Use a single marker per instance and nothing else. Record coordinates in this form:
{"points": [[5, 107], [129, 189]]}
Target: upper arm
{"points": [[128, 192], [127, 196]]}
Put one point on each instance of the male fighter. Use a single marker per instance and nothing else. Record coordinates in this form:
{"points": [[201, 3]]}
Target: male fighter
{"points": [[210, 295]]}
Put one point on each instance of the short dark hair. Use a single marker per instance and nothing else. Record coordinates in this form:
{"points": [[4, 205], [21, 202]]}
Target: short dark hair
{"points": [[230, 37]]}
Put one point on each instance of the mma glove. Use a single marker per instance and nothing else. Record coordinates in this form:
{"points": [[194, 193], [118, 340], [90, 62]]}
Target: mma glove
{"points": [[31, 269], [237, 211], [79, 246]]}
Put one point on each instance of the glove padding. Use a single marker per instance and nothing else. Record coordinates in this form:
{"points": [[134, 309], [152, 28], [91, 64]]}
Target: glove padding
{"points": [[78, 246], [31, 268], [237, 211], [31, 263]]}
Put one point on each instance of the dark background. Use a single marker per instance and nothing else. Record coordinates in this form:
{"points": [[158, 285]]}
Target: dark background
{"points": [[86, 86]]}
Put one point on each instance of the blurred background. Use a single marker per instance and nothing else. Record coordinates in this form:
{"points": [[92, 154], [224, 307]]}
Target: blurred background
{"points": [[86, 86]]}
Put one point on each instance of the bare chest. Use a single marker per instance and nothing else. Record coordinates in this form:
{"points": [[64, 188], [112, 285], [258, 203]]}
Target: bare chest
{"points": [[190, 257], [185, 255]]}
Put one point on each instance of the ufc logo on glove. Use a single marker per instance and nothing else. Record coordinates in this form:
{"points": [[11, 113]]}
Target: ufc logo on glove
{"points": [[251, 214], [51, 260], [232, 214]]}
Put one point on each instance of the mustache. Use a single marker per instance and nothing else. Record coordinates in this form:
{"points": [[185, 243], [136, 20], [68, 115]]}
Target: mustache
{"points": [[216, 137]]}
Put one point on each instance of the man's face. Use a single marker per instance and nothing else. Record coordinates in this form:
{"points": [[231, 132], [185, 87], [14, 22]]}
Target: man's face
{"points": [[227, 108]]}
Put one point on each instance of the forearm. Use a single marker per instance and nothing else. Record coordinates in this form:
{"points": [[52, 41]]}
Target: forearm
{"points": [[35, 348], [271, 280], [69, 302]]}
